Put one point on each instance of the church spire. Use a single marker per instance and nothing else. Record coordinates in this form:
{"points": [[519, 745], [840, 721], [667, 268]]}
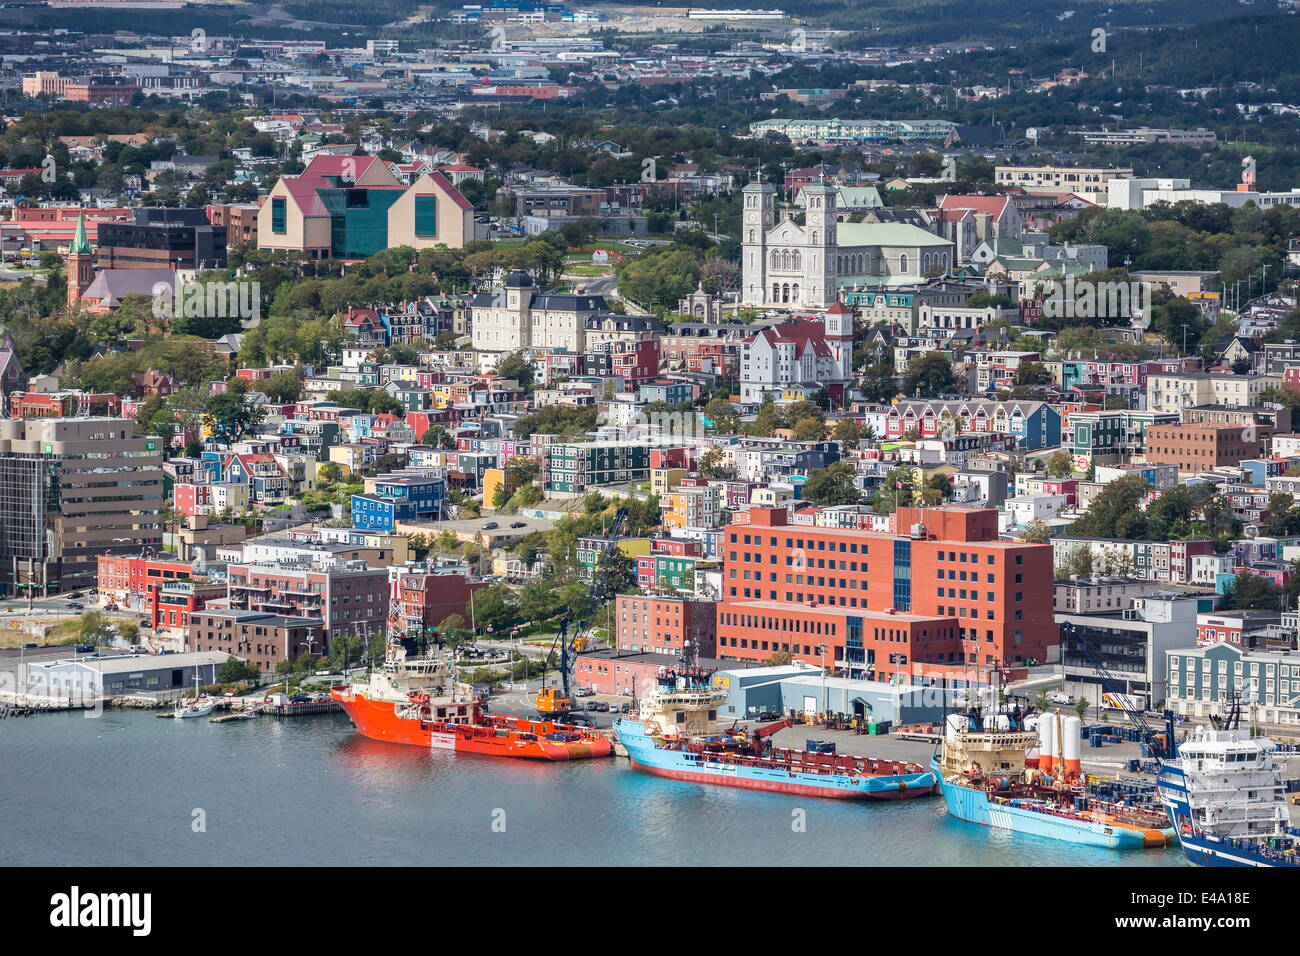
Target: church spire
{"points": [[81, 268], [80, 244]]}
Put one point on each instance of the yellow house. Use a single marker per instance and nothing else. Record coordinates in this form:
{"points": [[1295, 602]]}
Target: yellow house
{"points": [[664, 480], [691, 508], [494, 478], [348, 457], [634, 547]]}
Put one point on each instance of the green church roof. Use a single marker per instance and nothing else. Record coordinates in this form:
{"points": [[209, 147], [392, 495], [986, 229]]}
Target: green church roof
{"points": [[80, 244]]}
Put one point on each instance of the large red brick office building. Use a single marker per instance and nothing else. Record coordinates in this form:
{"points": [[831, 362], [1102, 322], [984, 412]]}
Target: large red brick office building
{"points": [[942, 590]]}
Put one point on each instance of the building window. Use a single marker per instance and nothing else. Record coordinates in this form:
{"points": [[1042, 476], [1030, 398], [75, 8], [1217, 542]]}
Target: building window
{"points": [[278, 215], [426, 215]]}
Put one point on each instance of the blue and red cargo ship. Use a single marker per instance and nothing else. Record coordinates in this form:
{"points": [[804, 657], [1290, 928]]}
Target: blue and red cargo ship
{"points": [[676, 735]]}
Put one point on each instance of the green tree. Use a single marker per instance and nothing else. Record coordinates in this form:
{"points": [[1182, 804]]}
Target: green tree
{"points": [[1033, 374], [1250, 591], [496, 607], [1036, 532], [722, 415], [501, 496], [832, 485], [94, 628], [1059, 464], [437, 436], [714, 464], [515, 366], [232, 417], [235, 671], [1077, 563], [658, 280], [847, 432], [929, 375]]}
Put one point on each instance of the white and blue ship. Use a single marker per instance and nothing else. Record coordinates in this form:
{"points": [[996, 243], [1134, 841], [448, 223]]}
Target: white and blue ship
{"points": [[1224, 795]]}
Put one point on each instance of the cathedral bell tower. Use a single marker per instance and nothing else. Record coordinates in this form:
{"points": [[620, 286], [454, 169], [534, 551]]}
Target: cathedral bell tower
{"points": [[757, 217], [821, 286]]}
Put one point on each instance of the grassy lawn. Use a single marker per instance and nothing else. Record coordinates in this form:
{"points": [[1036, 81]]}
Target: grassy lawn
{"points": [[612, 246], [609, 245], [59, 633]]}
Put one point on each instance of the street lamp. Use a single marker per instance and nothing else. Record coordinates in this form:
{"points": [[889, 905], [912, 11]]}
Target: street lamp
{"points": [[821, 651]]}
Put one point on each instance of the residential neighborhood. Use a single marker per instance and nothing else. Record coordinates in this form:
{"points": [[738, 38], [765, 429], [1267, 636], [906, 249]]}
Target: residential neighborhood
{"points": [[531, 359]]}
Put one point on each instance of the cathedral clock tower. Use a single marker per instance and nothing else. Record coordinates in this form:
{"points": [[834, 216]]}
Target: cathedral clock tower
{"points": [[821, 285], [757, 217]]}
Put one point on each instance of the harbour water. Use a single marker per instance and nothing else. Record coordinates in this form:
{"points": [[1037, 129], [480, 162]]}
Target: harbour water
{"points": [[128, 789]]}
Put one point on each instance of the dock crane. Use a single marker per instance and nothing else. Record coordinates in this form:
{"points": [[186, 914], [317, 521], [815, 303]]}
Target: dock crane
{"points": [[1162, 743], [554, 703]]}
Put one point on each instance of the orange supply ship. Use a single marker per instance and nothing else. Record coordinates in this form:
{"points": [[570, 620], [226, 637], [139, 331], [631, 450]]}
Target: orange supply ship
{"points": [[418, 701]]}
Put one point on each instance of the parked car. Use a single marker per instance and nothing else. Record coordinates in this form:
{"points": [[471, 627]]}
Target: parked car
{"points": [[111, 607], [490, 526], [626, 707], [602, 706], [85, 648], [517, 524], [1062, 698], [74, 606], [593, 705]]}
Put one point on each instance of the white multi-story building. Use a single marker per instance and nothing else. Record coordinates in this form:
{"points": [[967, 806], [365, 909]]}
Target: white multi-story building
{"points": [[517, 316], [829, 130], [1139, 193], [804, 354], [1174, 391], [1089, 182]]}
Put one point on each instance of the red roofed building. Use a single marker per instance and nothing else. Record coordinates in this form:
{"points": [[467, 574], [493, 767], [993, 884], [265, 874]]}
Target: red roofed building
{"points": [[367, 326], [350, 207], [459, 172], [996, 217], [51, 226], [805, 354]]}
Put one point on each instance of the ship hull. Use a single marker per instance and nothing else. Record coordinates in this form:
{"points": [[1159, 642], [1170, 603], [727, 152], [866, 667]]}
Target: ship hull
{"points": [[647, 755], [1201, 851], [378, 720], [974, 806]]}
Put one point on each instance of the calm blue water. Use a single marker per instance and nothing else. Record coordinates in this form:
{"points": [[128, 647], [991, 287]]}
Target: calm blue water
{"points": [[121, 789]]}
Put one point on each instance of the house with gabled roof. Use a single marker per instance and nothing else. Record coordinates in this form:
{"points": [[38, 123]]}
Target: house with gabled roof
{"points": [[350, 207], [995, 216], [803, 354]]}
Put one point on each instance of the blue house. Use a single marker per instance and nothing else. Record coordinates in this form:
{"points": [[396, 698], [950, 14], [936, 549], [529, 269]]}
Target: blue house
{"points": [[670, 393], [399, 498]]}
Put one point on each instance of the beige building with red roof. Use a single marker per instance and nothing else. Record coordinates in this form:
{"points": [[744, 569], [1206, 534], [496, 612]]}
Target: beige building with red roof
{"points": [[350, 207]]}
